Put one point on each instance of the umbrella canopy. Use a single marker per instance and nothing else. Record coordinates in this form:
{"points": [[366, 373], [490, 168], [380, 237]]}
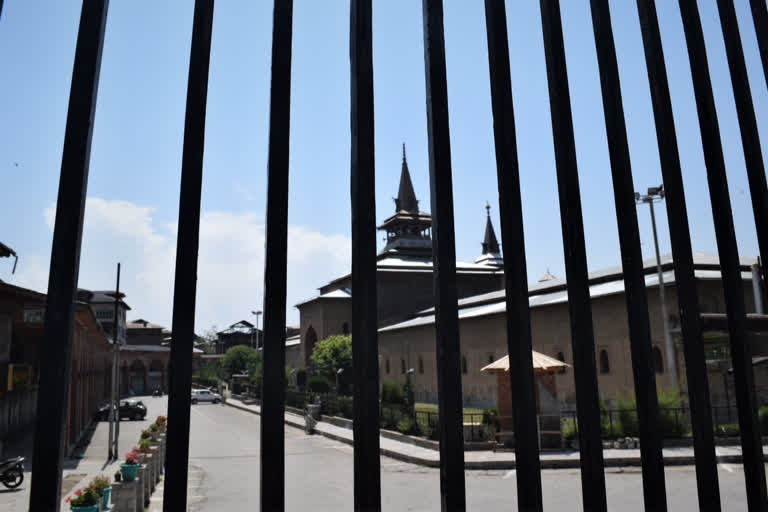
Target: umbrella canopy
{"points": [[541, 364]]}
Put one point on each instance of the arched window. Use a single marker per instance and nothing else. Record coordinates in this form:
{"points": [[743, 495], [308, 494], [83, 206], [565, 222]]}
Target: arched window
{"points": [[658, 360], [605, 365], [464, 368], [561, 357], [345, 328], [421, 364], [386, 366], [402, 366]]}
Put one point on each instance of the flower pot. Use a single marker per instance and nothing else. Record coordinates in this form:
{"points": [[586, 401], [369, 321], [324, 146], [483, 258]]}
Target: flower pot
{"points": [[105, 497], [87, 508], [129, 471]]}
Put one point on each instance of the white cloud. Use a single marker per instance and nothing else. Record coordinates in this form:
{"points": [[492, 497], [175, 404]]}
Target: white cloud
{"points": [[230, 264]]}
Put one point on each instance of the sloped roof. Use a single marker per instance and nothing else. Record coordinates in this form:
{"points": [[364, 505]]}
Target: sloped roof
{"points": [[541, 364]]}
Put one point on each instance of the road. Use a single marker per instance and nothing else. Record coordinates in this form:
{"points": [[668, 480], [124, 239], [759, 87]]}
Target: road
{"points": [[224, 475]]}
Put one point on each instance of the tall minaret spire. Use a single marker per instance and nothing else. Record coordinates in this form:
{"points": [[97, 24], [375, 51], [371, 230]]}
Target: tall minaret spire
{"points": [[406, 197], [491, 252]]}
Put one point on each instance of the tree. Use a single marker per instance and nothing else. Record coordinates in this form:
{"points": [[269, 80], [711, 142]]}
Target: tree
{"points": [[332, 354], [239, 359]]}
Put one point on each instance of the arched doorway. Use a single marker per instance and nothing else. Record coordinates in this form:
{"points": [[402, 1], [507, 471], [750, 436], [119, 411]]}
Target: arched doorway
{"points": [[310, 338], [137, 377], [155, 375]]}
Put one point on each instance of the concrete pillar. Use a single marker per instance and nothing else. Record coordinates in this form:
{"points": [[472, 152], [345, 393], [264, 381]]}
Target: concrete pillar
{"points": [[146, 479], [124, 496], [139, 489]]}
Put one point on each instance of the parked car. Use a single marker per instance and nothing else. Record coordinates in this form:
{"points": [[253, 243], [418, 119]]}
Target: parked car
{"points": [[205, 395], [131, 409]]}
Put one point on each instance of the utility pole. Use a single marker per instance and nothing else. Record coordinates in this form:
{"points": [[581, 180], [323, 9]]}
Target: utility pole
{"points": [[656, 194], [114, 406]]}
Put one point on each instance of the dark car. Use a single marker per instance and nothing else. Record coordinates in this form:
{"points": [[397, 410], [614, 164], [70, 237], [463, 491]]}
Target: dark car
{"points": [[131, 409]]}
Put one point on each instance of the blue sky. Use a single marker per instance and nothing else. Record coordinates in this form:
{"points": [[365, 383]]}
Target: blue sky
{"points": [[136, 157]]}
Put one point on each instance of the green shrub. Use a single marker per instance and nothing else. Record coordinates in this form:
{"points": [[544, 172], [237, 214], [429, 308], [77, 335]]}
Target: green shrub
{"points": [[627, 416], [568, 426], [318, 384], [301, 378], [671, 423], [392, 393], [406, 426], [763, 413]]}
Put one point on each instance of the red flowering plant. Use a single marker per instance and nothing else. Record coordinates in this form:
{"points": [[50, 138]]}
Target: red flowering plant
{"points": [[85, 497], [132, 457]]}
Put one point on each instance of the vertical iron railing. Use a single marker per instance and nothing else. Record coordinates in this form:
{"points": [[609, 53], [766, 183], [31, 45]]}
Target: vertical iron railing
{"points": [[272, 462], [741, 353], [745, 111], [367, 469], [448, 352], [682, 257], [519, 344], [187, 244], [579, 304], [56, 350], [631, 261], [760, 20]]}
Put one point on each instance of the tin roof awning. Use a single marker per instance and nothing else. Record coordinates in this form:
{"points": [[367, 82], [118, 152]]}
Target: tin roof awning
{"points": [[541, 364]]}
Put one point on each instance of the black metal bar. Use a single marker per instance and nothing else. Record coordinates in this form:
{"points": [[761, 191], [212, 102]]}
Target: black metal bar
{"points": [[56, 350], [529, 495], [745, 111], [272, 461], [579, 304], [741, 352], [187, 244], [452, 485], [654, 491], [760, 19], [367, 465], [682, 259]]}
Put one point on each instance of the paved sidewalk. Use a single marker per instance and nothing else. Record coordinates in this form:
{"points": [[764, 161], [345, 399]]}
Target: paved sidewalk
{"points": [[89, 460], [489, 460]]}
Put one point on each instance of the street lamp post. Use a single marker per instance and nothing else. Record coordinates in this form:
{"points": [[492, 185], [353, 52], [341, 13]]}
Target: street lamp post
{"points": [[656, 194], [257, 314]]}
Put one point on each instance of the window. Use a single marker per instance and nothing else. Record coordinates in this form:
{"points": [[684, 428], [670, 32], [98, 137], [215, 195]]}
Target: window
{"points": [[386, 364], [561, 357], [421, 365], [464, 368], [658, 360], [345, 328], [402, 366], [605, 365]]}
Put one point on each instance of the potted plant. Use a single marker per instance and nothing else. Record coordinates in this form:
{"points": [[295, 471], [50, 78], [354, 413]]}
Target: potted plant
{"points": [[131, 465], [102, 486], [84, 500], [144, 447], [154, 431], [145, 434]]}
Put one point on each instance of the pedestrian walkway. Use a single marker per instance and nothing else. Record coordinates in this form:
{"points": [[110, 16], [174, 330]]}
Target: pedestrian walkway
{"points": [[86, 461], [500, 460]]}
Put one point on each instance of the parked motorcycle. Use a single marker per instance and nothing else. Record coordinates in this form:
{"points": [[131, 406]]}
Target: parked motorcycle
{"points": [[12, 472]]}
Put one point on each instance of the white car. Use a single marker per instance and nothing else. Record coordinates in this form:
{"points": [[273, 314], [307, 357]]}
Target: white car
{"points": [[205, 395]]}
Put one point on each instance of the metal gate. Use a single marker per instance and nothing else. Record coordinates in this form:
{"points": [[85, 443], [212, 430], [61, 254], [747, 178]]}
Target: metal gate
{"points": [[367, 487]]}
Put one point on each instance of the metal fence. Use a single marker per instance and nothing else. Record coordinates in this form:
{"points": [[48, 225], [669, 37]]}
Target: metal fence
{"points": [[46, 479]]}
